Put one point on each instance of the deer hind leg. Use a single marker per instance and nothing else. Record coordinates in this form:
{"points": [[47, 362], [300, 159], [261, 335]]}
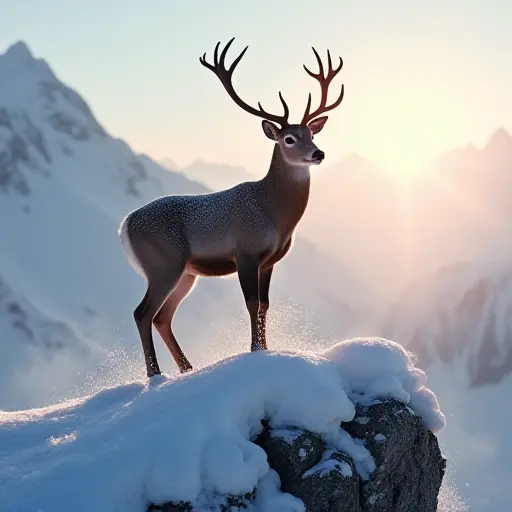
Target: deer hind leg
{"points": [[160, 285], [248, 275], [163, 320]]}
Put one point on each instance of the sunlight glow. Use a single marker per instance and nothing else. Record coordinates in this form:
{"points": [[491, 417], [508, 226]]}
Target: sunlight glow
{"points": [[403, 130]]}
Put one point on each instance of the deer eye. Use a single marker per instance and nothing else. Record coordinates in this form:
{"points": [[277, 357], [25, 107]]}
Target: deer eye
{"points": [[289, 141]]}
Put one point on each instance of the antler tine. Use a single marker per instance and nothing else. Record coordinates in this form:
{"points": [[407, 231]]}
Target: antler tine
{"points": [[285, 106], [320, 66], [324, 81], [225, 75], [216, 52]]}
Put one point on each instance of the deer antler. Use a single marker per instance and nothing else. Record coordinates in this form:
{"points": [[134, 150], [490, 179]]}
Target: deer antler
{"points": [[324, 81], [225, 75]]}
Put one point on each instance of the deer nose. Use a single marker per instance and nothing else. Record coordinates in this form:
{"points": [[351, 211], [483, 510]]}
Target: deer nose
{"points": [[318, 155]]}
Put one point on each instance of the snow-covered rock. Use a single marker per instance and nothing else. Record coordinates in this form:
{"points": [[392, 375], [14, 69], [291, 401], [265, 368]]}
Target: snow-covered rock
{"points": [[409, 464], [194, 438]]}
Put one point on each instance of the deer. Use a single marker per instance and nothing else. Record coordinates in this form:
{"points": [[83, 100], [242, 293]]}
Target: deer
{"points": [[244, 230]]}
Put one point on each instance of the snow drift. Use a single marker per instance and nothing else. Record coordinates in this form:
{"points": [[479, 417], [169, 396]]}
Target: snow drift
{"points": [[181, 438]]}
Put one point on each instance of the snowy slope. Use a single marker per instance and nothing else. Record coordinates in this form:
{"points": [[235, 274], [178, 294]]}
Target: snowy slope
{"points": [[65, 184], [125, 447]]}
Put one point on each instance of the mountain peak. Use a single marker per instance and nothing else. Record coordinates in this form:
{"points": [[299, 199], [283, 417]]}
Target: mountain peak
{"points": [[499, 141], [19, 51], [18, 59]]}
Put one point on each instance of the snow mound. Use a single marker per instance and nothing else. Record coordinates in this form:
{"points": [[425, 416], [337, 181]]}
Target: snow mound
{"points": [[191, 436], [374, 368]]}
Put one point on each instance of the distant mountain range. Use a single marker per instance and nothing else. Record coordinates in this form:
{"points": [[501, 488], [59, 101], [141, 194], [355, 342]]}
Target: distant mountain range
{"points": [[213, 176]]}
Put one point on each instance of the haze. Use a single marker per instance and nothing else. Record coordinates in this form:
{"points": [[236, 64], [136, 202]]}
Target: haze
{"points": [[407, 230], [420, 77]]}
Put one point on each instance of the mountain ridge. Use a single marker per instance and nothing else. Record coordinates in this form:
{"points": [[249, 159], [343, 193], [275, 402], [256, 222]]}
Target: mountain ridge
{"points": [[462, 312]]}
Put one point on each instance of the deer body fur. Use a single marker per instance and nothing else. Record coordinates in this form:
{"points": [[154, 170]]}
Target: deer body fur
{"points": [[252, 218], [246, 230]]}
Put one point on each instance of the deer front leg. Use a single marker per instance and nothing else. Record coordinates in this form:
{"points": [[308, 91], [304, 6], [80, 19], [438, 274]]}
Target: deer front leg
{"points": [[248, 275], [264, 285]]}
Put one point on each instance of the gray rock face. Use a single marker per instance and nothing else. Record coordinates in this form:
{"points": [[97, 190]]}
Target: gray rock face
{"points": [[320, 478], [22, 146], [410, 466], [291, 452], [13, 152], [408, 476], [330, 485]]}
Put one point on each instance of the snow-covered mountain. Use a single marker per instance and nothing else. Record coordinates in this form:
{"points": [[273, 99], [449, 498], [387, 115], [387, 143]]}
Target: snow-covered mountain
{"points": [[65, 184], [458, 322], [461, 314]]}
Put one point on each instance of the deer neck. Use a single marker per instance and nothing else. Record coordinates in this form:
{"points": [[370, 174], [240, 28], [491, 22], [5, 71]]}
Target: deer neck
{"points": [[287, 192]]}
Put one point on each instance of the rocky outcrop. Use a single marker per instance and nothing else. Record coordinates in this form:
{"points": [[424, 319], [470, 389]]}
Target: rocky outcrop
{"points": [[408, 475], [410, 466]]}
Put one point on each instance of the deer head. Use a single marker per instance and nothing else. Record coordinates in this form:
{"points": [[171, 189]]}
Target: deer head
{"points": [[295, 140]]}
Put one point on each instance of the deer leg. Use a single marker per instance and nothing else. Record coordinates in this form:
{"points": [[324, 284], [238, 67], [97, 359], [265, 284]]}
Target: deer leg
{"points": [[163, 320], [159, 288], [264, 285], [248, 275]]}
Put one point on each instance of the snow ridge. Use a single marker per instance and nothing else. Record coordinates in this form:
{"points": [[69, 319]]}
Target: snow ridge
{"points": [[184, 438]]}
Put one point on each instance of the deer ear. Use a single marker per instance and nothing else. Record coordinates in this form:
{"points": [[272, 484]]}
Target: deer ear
{"points": [[270, 130], [317, 124]]}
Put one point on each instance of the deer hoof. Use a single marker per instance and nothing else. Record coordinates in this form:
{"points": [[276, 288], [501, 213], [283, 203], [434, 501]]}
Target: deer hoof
{"points": [[153, 370], [257, 346]]}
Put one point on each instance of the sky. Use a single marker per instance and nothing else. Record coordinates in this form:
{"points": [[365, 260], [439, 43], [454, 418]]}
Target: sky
{"points": [[419, 77]]}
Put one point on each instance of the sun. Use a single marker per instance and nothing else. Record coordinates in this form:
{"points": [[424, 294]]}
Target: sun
{"points": [[406, 127], [402, 154]]}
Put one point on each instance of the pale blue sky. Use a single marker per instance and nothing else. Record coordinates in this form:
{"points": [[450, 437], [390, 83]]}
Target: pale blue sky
{"points": [[419, 76]]}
